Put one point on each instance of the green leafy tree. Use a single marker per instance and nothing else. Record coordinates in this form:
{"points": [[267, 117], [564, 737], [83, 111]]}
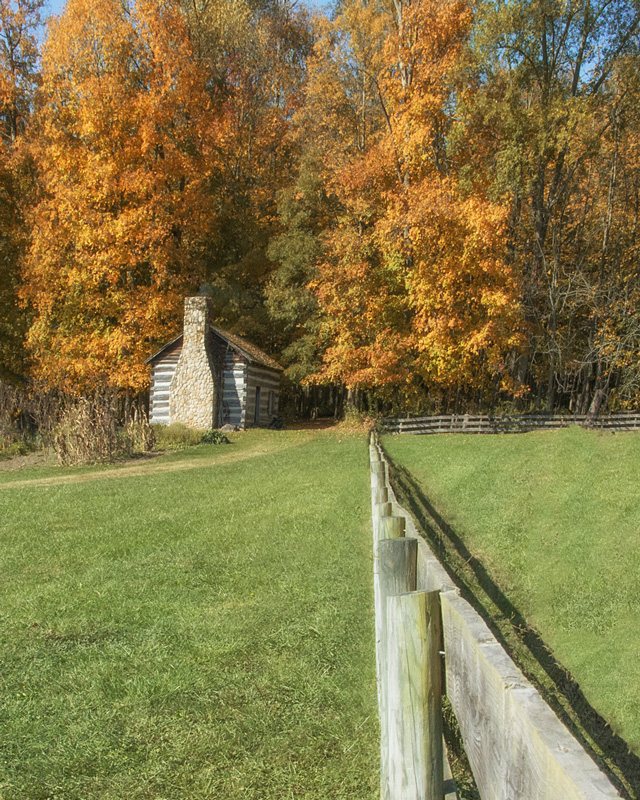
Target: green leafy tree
{"points": [[305, 213], [19, 76], [258, 51], [544, 109]]}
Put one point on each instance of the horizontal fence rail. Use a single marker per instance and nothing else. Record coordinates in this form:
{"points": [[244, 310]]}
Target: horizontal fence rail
{"points": [[503, 423], [517, 748]]}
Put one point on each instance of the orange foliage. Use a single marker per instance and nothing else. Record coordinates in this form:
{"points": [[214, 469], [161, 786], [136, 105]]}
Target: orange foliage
{"points": [[127, 134], [415, 286]]}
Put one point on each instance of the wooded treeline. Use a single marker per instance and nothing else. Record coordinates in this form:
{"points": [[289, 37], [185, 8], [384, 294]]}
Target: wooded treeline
{"points": [[430, 204]]}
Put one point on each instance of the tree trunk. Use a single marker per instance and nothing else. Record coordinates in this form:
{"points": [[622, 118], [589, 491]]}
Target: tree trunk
{"points": [[598, 399]]}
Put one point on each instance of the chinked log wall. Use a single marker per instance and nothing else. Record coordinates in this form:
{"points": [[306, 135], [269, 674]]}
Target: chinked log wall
{"points": [[472, 423], [517, 747]]}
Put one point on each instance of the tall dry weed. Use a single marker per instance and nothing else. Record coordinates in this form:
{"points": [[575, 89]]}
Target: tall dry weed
{"points": [[89, 431], [80, 429]]}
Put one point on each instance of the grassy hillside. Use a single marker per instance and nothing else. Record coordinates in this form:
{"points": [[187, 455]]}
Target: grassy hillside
{"points": [[193, 626], [554, 517]]}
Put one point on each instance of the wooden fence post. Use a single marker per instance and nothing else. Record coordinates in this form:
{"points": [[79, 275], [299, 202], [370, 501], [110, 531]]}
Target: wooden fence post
{"points": [[414, 712], [380, 495], [397, 565], [384, 527], [379, 491], [378, 480], [382, 510], [391, 527]]}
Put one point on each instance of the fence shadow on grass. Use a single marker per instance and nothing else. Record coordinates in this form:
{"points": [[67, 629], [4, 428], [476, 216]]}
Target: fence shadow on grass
{"points": [[523, 643]]}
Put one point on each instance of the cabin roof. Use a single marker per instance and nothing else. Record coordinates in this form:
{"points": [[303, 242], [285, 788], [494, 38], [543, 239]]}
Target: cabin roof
{"points": [[249, 351]]}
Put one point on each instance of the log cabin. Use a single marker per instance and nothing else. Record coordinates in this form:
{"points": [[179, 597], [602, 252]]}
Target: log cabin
{"points": [[207, 377]]}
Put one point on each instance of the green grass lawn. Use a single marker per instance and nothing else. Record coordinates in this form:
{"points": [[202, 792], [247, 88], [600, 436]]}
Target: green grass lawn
{"points": [[198, 625], [555, 518]]}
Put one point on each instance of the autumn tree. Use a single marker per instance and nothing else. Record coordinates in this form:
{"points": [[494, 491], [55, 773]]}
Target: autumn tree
{"points": [[127, 151], [258, 49], [604, 361], [418, 200], [553, 122], [414, 286], [336, 118]]}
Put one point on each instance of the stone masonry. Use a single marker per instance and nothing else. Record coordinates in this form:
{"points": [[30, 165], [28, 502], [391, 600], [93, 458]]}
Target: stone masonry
{"points": [[193, 391]]}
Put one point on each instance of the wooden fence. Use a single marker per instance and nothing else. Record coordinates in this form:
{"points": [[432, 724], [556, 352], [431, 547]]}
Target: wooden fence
{"points": [[503, 423], [517, 747]]}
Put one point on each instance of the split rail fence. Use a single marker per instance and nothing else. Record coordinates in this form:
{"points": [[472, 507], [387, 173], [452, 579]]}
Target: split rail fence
{"points": [[428, 640], [502, 423]]}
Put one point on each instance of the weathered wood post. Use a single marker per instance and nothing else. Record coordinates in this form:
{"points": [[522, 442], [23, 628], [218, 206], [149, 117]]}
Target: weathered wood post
{"points": [[379, 507], [398, 564], [380, 510], [388, 528], [414, 706], [378, 482], [380, 495], [391, 527], [378, 477], [385, 527], [398, 560]]}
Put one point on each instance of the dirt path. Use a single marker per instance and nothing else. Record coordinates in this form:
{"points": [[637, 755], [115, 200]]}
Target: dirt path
{"points": [[149, 468]]}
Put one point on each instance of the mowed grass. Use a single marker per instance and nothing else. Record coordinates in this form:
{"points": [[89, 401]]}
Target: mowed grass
{"points": [[204, 632], [555, 518]]}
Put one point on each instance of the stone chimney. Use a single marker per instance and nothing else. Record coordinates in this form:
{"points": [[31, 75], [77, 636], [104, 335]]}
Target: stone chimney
{"points": [[193, 391]]}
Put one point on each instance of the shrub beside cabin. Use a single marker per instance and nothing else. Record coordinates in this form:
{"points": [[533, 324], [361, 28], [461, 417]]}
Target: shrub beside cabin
{"points": [[207, 377]]}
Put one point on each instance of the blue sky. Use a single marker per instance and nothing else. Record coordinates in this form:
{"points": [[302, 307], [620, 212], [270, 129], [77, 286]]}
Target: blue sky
{"points": [[53, 7]]}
